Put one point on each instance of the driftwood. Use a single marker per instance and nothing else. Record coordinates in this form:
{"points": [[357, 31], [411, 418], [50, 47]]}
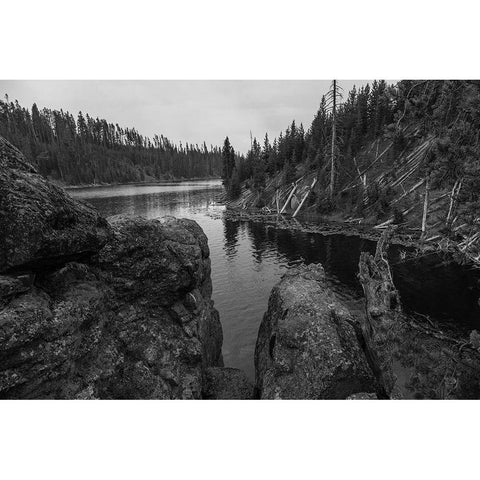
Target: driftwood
{"points": [[382, 311], [305, 197]]}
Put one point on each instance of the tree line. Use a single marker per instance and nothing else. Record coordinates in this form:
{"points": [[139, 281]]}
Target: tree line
{"points": [[360, 118], [90, 151], [401, 114]]}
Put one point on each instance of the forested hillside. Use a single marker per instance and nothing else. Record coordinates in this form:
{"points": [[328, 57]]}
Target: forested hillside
{"points": [[405, 154], [361, 117], [86, 151]]}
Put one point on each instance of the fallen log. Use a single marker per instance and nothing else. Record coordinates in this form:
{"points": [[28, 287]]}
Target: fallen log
{"points": [[425, 208], [365, 170], [391, 220], [453, 200], [417, 185], [305, 197], [289, 197]]}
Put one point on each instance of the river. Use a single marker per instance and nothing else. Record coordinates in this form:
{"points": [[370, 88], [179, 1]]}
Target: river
{"points": [[248, 258]]}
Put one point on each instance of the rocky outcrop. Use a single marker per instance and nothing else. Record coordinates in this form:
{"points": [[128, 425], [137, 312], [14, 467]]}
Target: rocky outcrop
{"points": [[227, 384], [307, 346], [91, 309], [40, 224]]}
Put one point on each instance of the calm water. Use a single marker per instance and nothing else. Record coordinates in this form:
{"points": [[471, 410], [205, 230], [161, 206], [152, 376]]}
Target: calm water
{"points": [[249, 258]]}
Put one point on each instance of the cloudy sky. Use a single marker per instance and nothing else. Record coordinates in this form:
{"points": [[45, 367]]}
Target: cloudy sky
{"points": [[187, 110]]}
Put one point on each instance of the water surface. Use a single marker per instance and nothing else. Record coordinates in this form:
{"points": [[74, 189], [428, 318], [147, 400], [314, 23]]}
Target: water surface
{"points": [[248, 258]]}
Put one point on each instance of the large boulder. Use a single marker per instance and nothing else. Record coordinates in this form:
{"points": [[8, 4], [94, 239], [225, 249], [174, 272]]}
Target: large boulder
{"points": [[90, 309], [308, 346], [40, 224], [164, 266], [136, 322]]}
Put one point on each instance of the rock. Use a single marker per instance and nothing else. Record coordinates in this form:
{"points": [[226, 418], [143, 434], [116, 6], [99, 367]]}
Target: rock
{"points": [[307, 346], [14, 285], [164, 266], [93, 310], [40, 224], [363, 396], [48, 346], [137, 322], [223, 383]]}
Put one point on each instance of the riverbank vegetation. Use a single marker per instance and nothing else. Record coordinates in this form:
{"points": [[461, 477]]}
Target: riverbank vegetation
{"points": [[88, 151], [404, 154]]}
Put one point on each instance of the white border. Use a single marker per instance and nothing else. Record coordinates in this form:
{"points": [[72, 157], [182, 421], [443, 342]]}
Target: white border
{"points": [[241, 40]]}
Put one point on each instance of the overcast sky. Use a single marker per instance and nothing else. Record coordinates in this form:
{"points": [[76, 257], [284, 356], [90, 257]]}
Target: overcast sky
{"points": [[183, 110]]}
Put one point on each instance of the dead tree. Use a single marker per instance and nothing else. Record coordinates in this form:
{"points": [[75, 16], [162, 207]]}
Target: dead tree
{"points": [[382, 310], [289, 197], [307, 193], [453, 200], [334, 95], [425, 208]]}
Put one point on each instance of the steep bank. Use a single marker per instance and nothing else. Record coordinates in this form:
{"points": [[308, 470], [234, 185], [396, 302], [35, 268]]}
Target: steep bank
{"points": [[413, 175], [97, 309]]}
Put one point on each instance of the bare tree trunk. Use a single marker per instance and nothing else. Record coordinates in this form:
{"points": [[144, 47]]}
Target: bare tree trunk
{"points": [[425, 208], [334, 121], [453, 201], [288, 199], [383, 308], [305, 197]]}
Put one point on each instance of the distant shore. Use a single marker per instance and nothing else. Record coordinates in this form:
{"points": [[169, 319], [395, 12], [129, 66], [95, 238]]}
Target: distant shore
{"points": [[145, 183]]}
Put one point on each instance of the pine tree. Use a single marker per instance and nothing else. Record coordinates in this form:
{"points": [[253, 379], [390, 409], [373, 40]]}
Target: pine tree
{"points": [[235, 187]]}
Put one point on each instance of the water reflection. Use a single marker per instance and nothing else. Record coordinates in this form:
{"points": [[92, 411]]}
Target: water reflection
{"points": [[248, 258], [231, 238]]}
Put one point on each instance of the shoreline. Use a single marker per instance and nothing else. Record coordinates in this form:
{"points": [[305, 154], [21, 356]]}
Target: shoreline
{"points": [[324, 226]]}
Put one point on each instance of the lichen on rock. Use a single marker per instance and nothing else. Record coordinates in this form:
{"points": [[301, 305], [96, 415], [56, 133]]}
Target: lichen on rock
{"points": [[307, 346], [40, 224], [98, 309]]}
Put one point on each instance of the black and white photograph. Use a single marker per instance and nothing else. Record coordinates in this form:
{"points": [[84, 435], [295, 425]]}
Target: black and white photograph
{"points": [[295, 252], [336, 259]]}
